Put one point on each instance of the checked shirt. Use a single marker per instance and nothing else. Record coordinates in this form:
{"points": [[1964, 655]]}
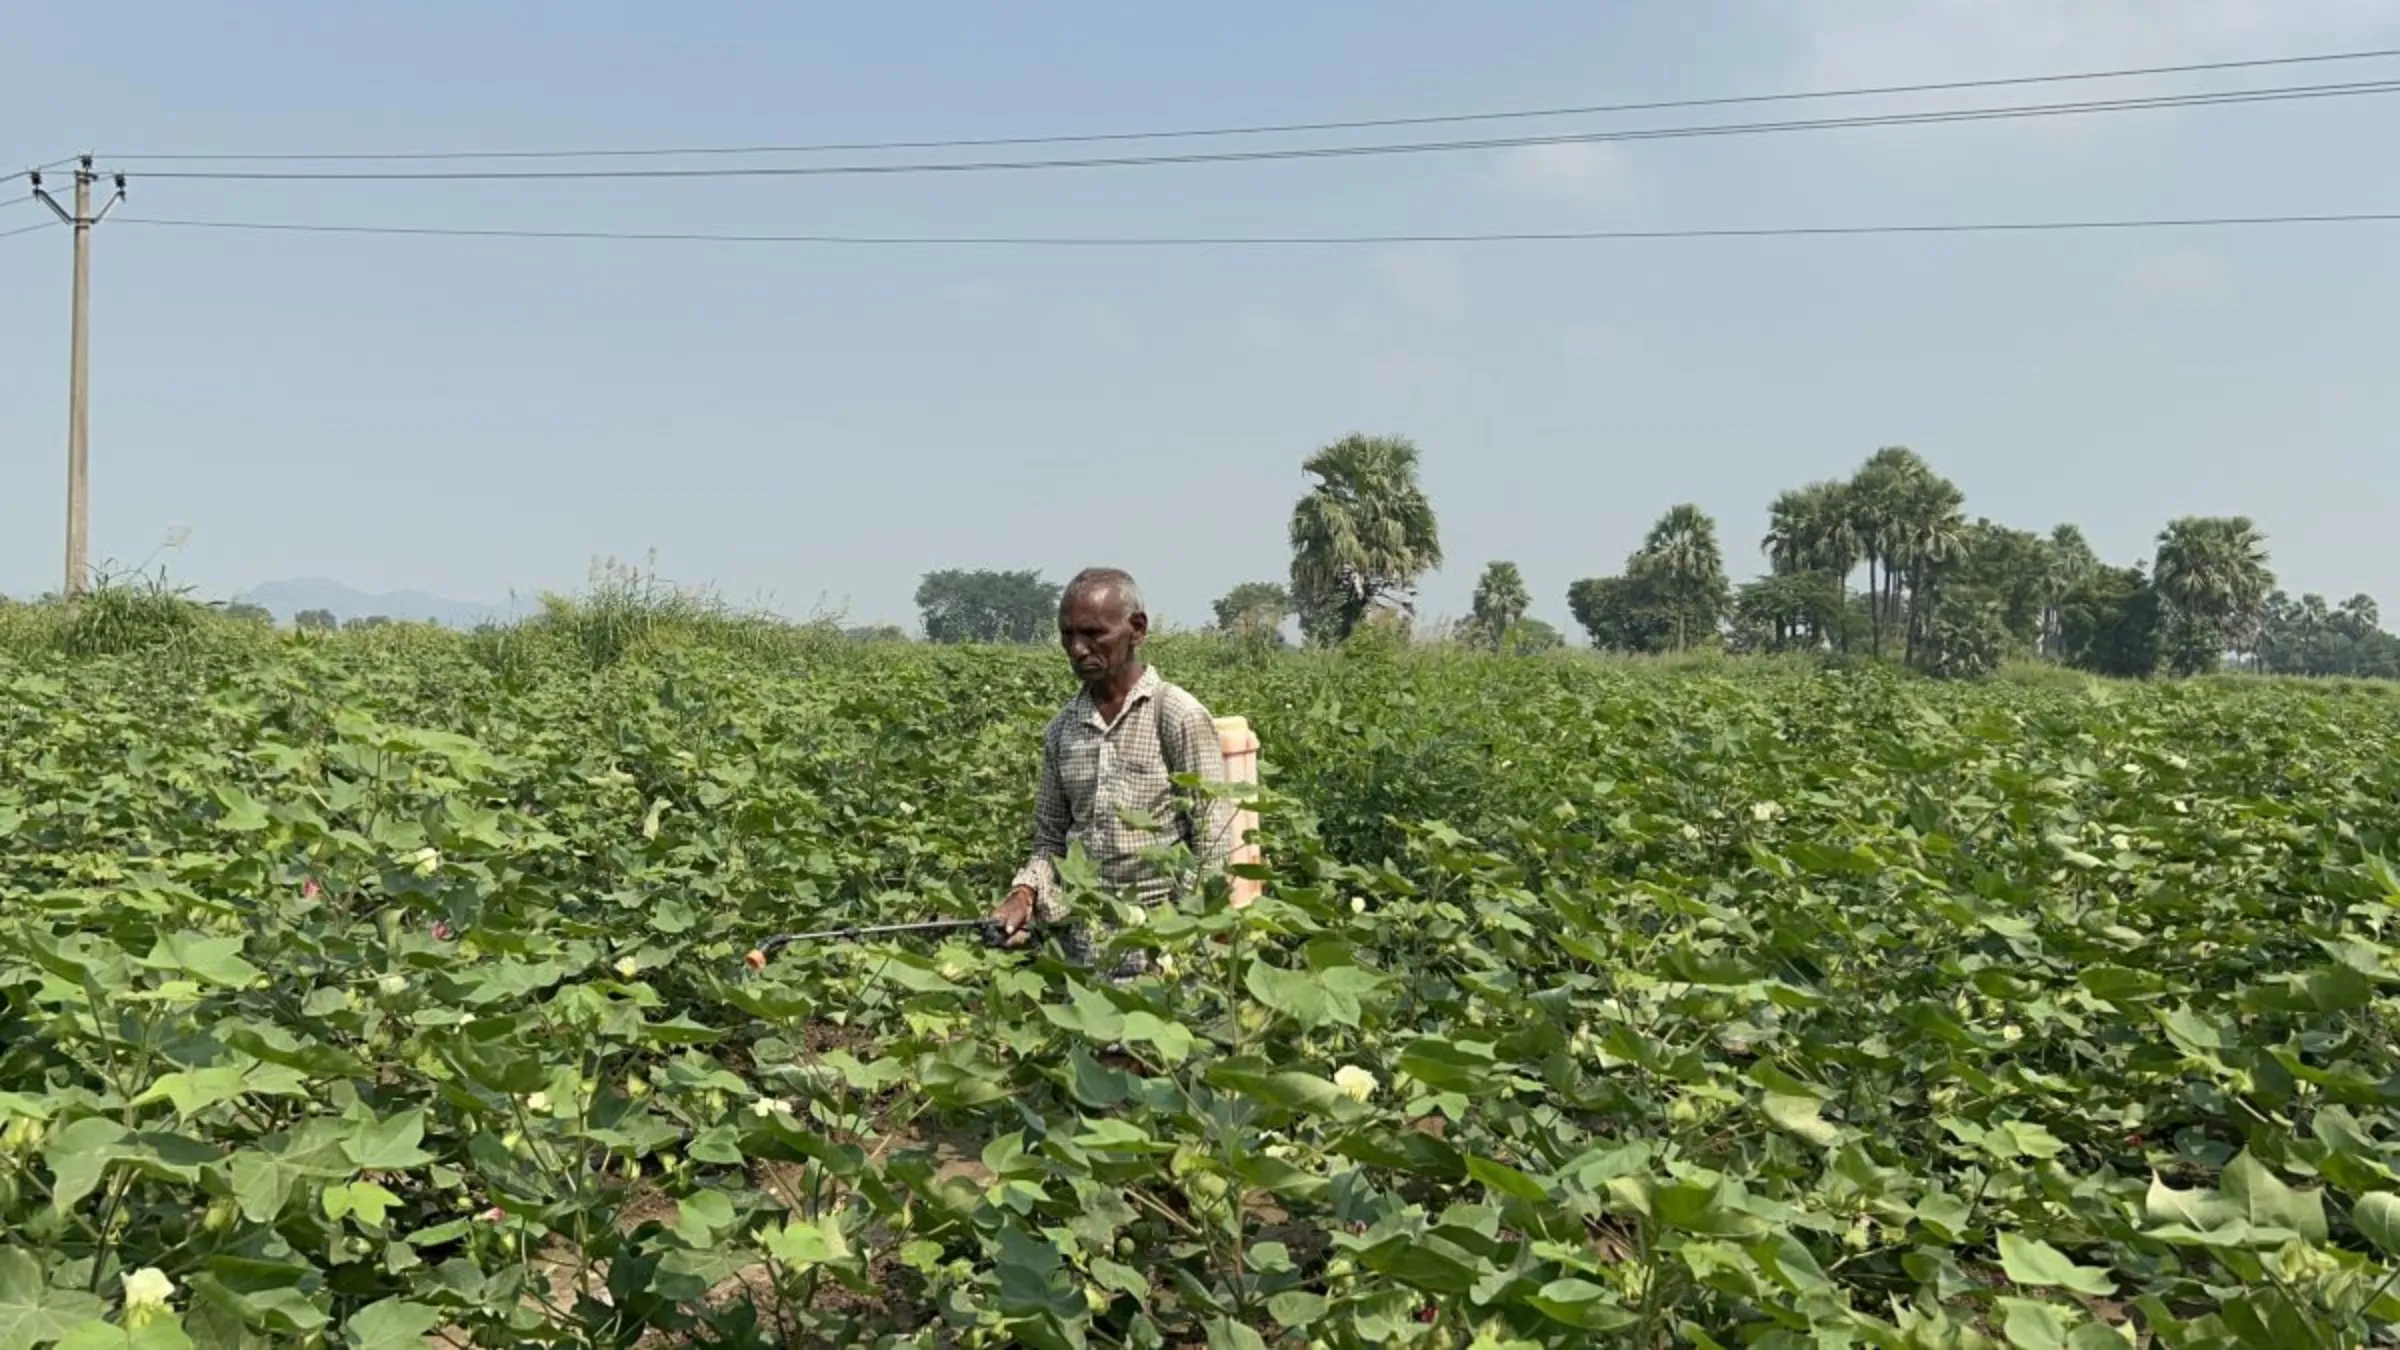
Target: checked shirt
{"points": [[1092, 771]]}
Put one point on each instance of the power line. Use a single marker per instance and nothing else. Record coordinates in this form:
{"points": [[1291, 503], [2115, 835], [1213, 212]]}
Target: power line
{"points": [[2004, 113], [1266, 241], [1288, 128], [27, 229]]}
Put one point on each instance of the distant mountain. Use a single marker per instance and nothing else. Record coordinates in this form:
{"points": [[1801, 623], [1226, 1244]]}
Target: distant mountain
{"points": [[285, 599]]}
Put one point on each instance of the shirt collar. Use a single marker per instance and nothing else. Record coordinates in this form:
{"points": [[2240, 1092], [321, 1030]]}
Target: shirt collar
{"points": [[1089, 711]]}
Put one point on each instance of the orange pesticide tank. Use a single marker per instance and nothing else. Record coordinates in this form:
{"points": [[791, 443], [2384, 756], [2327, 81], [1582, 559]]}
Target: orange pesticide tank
{"points": [[1240, 746]]}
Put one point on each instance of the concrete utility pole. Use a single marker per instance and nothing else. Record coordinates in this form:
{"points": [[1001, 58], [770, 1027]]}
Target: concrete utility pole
{"points": [[79, 389]]}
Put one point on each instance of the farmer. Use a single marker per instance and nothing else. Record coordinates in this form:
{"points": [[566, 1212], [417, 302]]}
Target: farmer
{"points": [[1115, 748]]}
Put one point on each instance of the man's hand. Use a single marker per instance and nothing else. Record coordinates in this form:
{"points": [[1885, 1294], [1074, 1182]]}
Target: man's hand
{"points": [[1015, 917]]}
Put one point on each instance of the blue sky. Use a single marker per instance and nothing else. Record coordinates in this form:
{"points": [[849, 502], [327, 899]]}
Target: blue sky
{"points": [[817, 427]]}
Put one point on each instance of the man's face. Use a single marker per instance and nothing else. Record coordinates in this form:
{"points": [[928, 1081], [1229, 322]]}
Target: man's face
{"points": [[1099, 636]]}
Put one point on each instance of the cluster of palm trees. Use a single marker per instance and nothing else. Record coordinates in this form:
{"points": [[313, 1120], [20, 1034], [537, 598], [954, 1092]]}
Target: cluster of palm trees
{"points": [[2307, 636], [1945, 593]]}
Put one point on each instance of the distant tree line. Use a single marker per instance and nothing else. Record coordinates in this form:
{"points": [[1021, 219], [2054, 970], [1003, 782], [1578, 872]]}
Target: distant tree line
{"points": [[1943, 594]]}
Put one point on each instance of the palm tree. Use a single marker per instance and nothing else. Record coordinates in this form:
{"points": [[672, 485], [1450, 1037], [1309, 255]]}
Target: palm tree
{"points": [[1876, 500], [2213, 569], [1837, 548], [2359, 616], [1690, 569], [1929, 536], [1809, 529], [1361, 536], [2070, 559], [1791, 531], [1500, 601]]}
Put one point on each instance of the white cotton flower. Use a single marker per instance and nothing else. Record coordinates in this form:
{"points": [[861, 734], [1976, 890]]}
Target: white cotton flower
{"points": [[425, 861], [1166, 965], [1691, 832], [147, 1289], [538, 1103], [1762, 812], [628, 967], [393, 985], [1354, 1082], [1358, 904]]}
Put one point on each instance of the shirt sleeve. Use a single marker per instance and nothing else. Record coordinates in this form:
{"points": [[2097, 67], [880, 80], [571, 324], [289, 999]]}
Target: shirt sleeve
{"points": [[1050, 824], [1206, 823]]}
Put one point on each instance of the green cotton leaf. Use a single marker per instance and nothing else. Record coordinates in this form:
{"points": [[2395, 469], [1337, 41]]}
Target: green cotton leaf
{"points": [[1787, 1260], [164, 1331], [1312, 998], [1226, 1334], [1296, 1308], [1801, 1115], [260, 1186], [1111, 1135], [275, 1045], [1112, 1275], [2031, 1261], [2334, 989], [2352, 1161], [1289, 1090], [700, 1216], [392, 1324], [1715, 1211], [79, 1153], [1450, 1066], [243, 814], [1583, 1305], [680, 1030], [31, 1312], [1173, 1039], [2267, 1202], [1087, 1012], [2200, 1210], [804, 1246], [2032, 1326], [1945, 1214], [1413, 1261], [1295, 994], [389, 1145], [719, 1144], [370, 1202], [2377, 1217], [1506, 1180], [210, 960], [2197, 1036], [18, 1106], [192, 1091], [917, 974]]}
